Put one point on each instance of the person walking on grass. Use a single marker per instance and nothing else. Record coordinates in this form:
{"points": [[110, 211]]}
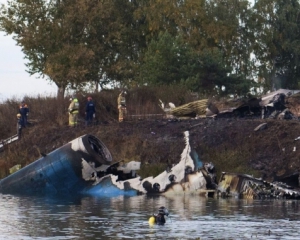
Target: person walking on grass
{"points": [[73, 112], [90, 111]]}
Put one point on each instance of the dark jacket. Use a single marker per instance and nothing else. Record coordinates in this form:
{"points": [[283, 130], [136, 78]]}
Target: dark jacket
{"points": [[90, 107], [23, 110]]}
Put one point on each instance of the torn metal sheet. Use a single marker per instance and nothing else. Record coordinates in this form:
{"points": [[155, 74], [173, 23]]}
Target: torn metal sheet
{"points": [[263, 106], [83, 166], [59, 171], [268, 98], [275, 105], [184, 177], [238, 107], [245, 186]]}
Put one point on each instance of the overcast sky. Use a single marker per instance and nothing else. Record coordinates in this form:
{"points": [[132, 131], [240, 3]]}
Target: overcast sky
{"points": [[15, 82]]}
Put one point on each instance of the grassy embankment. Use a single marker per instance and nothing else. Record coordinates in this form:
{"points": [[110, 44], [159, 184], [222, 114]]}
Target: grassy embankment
{"points": [[49, 130], [48, 119]]}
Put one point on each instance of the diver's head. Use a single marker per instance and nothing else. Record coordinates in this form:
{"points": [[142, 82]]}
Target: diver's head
{"points": [[163, 210]]}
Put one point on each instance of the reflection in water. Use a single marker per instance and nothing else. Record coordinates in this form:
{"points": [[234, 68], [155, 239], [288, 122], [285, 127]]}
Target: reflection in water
{"points": [[191, 217]]}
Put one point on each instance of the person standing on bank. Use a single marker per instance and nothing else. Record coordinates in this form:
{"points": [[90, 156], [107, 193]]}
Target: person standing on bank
{"points": [[19, 125], [73, 111], [90, 111], [24, 110], [122, 106]]}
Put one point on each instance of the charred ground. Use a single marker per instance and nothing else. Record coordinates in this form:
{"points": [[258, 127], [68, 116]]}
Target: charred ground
{"points": [[231, 144]]}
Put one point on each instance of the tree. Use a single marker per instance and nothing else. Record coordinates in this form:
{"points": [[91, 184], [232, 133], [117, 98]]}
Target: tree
{"points": [[166, 61], [49, 39], [277, 42], [170, 61], [207, 26], [211, 75]]}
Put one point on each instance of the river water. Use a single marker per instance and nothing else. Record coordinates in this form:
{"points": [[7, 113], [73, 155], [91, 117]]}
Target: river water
{"points": [[191, 217]]}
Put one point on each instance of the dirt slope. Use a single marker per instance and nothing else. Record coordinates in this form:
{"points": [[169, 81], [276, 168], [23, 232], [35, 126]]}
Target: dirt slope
{"points": [[231, 144]]}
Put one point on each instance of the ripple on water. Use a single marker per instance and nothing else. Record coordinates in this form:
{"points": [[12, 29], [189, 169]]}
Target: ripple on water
{"points": [[127, 218]]}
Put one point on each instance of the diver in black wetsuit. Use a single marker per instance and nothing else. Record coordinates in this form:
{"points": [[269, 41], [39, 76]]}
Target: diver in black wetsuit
{"points": [[159, 218]]}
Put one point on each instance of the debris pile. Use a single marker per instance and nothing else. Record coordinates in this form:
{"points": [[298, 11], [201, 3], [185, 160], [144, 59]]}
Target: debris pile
{"points": [[245, 186], [280, 104]]}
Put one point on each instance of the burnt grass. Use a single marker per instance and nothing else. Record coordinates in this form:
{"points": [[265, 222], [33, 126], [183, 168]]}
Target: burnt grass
{"points": [[231, 143]]}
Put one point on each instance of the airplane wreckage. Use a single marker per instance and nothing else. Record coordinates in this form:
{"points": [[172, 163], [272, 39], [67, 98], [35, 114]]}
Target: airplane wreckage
{"points": [[273, 105], [84, 166]]}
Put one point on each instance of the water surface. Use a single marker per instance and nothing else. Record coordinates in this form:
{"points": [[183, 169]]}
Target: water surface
{"points": [[191, 217]]}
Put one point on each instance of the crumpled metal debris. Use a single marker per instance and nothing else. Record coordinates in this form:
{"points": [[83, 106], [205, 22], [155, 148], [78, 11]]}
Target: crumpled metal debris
{"points": [[84, 166], [272, 105], [246, 186]]}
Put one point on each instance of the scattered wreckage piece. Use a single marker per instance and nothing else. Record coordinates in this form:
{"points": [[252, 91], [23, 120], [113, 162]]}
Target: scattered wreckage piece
{"points": [[185, 177], [239, 107], [200, 108], [274, 104], [84, 166], [293, 104], [246, 186], [8, 141], [209, 108], [261, 127], [269, 97], [192, 109]]}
